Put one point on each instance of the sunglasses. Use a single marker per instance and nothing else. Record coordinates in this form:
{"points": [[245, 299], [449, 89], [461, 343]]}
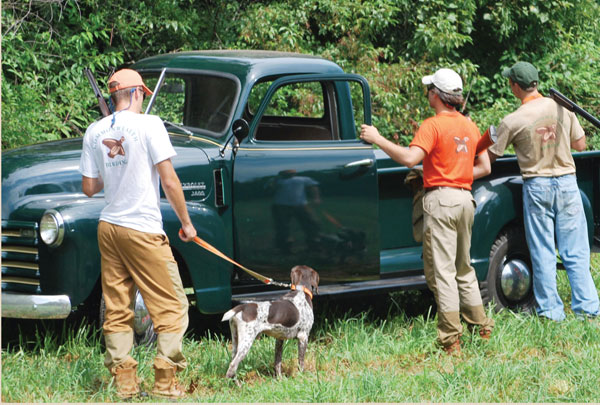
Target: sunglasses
{"points": [[429, 88]]}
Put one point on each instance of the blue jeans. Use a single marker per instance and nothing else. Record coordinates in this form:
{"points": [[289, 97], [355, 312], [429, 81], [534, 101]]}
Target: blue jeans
{"points": [[552, 207]]}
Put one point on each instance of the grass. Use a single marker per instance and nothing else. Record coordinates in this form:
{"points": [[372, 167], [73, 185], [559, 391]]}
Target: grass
{"points": [[377, 351]]}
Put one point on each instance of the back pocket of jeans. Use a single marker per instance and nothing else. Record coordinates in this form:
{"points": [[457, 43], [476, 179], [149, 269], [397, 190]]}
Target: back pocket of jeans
{"points": [[571, 202], [538, 202]]}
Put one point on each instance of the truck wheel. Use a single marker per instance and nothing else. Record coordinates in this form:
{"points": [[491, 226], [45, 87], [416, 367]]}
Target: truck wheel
{"points": [[143, 329], [509, 282]]}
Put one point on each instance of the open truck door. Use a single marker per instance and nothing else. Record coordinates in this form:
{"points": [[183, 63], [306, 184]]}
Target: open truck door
{"points": [[305, 184]]}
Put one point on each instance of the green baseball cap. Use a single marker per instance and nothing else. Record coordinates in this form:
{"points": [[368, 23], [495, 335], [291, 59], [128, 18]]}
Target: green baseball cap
{"points": [[523, 73]]}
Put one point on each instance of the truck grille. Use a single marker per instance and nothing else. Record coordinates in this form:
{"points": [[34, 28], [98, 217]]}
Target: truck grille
{"points": [[20, 258]]}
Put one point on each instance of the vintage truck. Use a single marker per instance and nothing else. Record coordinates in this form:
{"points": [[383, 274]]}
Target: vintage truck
{"points": [[274, 175]]}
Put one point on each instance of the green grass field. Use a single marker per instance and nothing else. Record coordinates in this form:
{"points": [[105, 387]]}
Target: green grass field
{"points": [[377, 351]]}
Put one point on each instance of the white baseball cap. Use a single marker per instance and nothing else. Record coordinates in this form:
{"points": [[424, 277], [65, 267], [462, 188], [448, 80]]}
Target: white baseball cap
{"points": [[447, 80]]}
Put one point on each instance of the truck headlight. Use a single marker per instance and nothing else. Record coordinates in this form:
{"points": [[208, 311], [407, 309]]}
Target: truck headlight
{"points": [[52, 228]]}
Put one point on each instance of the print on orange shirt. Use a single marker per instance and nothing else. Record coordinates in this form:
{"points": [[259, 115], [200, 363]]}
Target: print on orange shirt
{"points": [[461, 144]]}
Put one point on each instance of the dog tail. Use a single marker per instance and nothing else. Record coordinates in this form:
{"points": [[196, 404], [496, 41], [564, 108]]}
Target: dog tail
{"points": [[228, 315]]}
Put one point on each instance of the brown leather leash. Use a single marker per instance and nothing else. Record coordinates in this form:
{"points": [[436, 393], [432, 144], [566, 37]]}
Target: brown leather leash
{"points": [[204, 244]]}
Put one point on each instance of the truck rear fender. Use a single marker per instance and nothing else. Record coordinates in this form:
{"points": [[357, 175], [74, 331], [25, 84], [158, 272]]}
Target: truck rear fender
{"points": [[589, 216], [499, 203]]}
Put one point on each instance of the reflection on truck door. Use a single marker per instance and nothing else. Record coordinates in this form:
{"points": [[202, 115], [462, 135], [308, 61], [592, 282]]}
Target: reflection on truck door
{"points": [[306, 187]]}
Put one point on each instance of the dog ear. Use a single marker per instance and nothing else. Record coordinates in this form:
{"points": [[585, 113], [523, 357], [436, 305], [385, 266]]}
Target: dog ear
{"points": [[314, 281], [296, 275]]}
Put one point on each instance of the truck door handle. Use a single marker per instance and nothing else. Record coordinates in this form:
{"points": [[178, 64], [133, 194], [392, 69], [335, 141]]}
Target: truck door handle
{"points": [[358, 163]]}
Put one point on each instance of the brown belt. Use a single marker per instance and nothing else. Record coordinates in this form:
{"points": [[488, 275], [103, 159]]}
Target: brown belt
{"points": [[428, 189]]}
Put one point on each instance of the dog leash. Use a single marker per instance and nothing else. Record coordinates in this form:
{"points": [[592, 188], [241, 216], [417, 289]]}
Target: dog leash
{"points": [[204, 244]]}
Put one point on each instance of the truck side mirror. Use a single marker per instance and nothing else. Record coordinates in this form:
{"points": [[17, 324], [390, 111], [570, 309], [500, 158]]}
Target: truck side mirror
{"points": [[240, 128]]}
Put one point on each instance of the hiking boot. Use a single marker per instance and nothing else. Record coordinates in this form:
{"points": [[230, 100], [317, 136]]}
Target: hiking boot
{"points": [[165, 383], [453, 348], [126, 381], [485, 334]]}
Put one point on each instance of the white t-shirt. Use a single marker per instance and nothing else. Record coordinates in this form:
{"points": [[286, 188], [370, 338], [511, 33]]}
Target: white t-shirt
{"points": [[292, 191], [124, 154]]}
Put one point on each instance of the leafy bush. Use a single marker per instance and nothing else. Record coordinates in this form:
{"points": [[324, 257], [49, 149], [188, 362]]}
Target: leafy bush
{"points": [[393, 43]]}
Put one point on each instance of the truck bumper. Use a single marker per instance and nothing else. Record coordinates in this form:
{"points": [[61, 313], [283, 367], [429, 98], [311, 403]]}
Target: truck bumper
{"points": [[35, 306]]}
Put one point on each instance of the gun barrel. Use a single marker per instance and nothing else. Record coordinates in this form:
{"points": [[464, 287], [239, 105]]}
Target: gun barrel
{"points": [[572, 106], [103, 107]]}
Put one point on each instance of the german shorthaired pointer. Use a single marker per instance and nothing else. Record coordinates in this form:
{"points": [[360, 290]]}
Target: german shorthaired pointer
{"points": [[287, 318]]}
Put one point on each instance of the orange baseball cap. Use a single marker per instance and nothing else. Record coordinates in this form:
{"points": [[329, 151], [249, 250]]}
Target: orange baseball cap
{"points": [[126, 78]]}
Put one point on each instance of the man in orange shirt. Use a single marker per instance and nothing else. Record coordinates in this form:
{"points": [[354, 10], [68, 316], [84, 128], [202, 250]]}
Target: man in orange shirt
{"points": [[446, 144]]}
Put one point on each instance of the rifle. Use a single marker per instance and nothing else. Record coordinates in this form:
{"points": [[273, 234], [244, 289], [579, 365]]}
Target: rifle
{"points": [[571, 106], [464, 104], [97, 93]]}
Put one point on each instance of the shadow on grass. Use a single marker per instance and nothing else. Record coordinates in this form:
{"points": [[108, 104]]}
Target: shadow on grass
{"points": [[376, 307], [33, 335]]}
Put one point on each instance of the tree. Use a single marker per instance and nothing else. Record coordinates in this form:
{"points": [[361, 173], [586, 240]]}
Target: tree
{"points": [[393, 43]]}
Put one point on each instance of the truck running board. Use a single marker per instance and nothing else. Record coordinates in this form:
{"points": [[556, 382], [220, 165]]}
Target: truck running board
{"points": [[372, 286]]}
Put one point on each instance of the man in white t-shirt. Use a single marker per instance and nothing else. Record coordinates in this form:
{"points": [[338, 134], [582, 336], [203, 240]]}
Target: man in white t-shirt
{"points": [[127, 154]]}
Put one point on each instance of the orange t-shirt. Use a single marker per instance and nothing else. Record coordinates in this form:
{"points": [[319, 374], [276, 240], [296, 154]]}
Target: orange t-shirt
{"points": [[449, 139]]}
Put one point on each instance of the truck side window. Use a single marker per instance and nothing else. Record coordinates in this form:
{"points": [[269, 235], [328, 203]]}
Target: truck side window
{"points": [[297, 112], [358, 110]]}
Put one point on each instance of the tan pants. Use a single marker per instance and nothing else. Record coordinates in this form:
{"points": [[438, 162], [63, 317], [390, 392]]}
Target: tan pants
{"points": [[448, 217], [131, 258]]}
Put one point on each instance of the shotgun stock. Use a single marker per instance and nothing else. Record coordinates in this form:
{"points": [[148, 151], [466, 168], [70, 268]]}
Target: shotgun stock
{"points": [[571, 106], [103, 107], [488, 139]]}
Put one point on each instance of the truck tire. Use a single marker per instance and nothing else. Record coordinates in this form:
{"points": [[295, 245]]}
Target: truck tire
{"points": [[143, 328], [509, 282]]}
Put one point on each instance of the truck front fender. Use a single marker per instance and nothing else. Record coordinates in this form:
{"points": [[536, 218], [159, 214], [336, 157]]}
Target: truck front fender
{"points": [[210, 275], [73, 267]]}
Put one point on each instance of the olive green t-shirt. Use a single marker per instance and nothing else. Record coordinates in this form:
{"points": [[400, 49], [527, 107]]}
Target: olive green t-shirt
{"points": [[541, 132]]}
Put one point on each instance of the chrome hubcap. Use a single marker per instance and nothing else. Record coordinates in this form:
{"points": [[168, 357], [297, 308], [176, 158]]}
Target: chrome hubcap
{"points": [[141, 321], [515, 280]]}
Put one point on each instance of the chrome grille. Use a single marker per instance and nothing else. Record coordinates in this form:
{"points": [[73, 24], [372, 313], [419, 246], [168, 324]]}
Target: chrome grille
{"points": [[20, 258]]}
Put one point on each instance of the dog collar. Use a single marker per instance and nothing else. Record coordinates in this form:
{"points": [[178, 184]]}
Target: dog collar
{"points": [[306, 291]]}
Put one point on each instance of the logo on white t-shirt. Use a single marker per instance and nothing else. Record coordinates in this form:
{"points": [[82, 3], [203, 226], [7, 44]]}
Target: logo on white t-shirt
{"points": [[115, 147]]}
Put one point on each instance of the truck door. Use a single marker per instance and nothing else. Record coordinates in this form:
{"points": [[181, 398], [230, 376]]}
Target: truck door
{"points": [[305, 187]]}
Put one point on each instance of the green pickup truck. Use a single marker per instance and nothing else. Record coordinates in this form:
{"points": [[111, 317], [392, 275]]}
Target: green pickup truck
{"points": [[274, 175]]}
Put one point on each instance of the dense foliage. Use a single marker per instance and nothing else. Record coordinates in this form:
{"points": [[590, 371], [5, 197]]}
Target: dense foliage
{"points": [[393, 43]]}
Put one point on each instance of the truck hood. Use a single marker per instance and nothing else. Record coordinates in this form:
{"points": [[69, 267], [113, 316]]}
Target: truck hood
{"points": [[45, 168], [50, 171]]}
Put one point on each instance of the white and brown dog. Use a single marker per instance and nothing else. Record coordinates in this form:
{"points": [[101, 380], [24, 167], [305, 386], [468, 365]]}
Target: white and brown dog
{"points": [[289, 317]]}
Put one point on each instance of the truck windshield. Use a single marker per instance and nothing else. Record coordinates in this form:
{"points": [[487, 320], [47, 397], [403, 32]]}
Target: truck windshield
{"points": [[197, 102]]}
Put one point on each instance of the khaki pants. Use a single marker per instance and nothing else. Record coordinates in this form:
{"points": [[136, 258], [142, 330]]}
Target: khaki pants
{"points": [[131, 258], [448, 217]]}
